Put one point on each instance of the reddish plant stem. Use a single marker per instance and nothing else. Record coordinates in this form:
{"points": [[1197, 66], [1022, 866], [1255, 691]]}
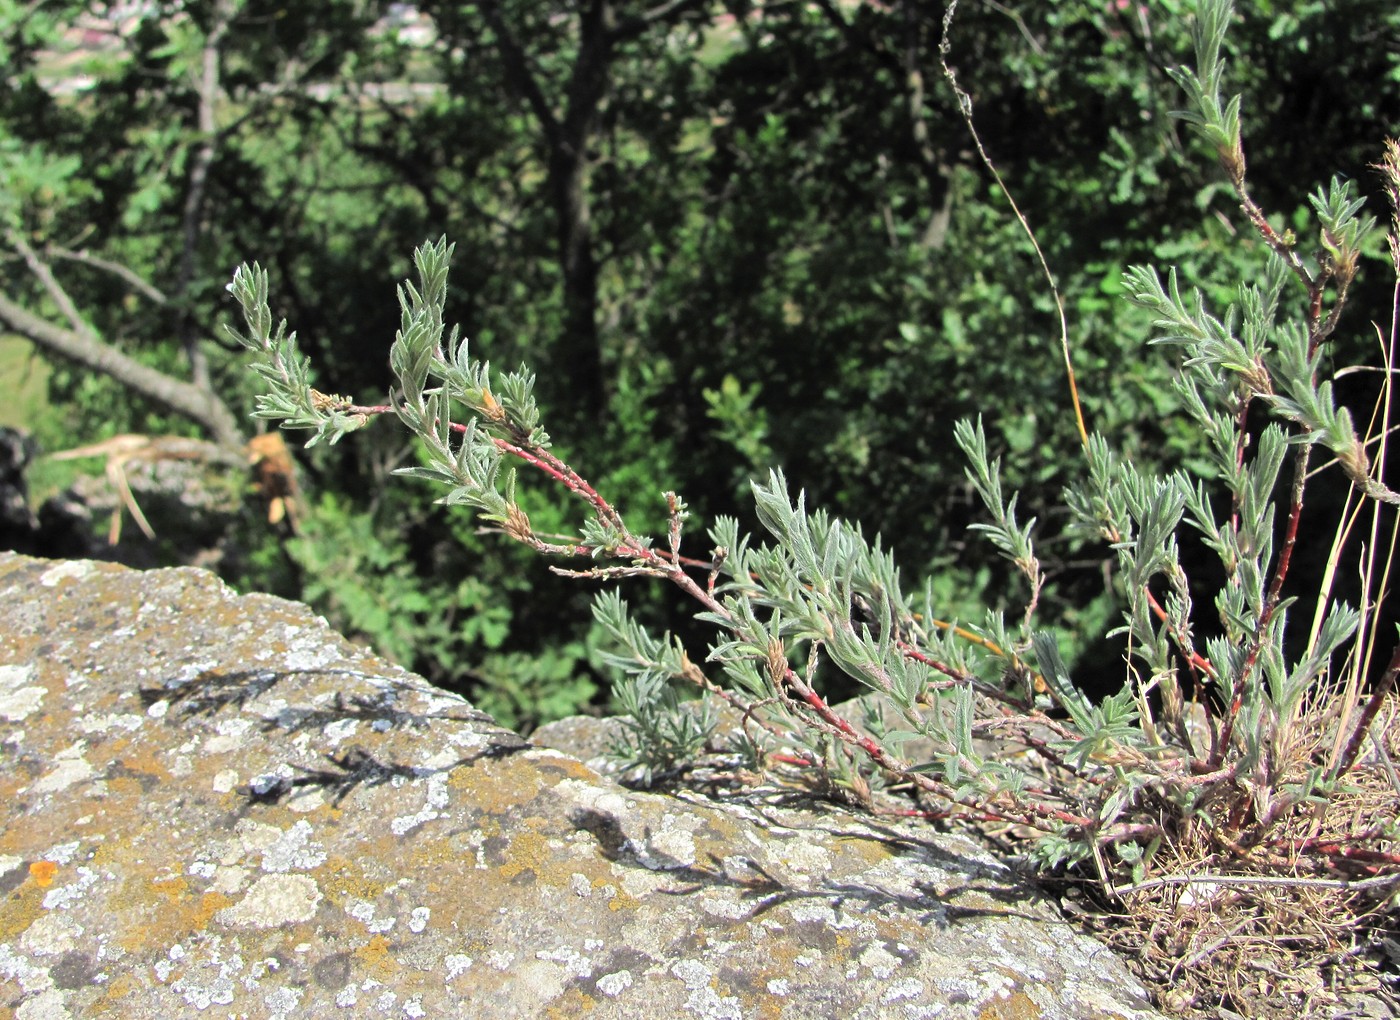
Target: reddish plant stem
{"points": [[1261, 629], [671, 567], [1196, 660], [951, 672], [1261, 223]]}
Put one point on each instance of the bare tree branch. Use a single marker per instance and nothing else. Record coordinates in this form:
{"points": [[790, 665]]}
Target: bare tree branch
{"points": [[639, 23], [522, 79], [82, 344], [132, 279], [55, 290]]}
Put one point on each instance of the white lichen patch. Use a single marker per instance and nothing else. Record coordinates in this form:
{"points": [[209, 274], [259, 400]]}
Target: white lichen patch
{"points": [[102, 723], [440, 703], [821, 913], [640, 884], [69, 570], [728, 909], [21, 703], [341, 729], [881, 962], [273, 900], [498, 960], [672, 845], [192, 671], [225, 780], [692, 973], [293, 850], [803, 861], [456, 963], [282, 1002], [418, 919], [229, 880], [64, 895], [364, 912], [465, 739], [62, 853], [18, 697], [439, 761], [202, 989], [51, 934], [309, 657], [907, 989], [47, 1005], [231, 735], [596, 798], [306, 800], [437, 799], [255, 837], [575, 964], [14, 967], [616, 983]]}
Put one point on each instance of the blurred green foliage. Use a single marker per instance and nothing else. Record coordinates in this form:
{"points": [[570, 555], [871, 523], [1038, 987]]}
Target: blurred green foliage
{"points": [[797, 259]]}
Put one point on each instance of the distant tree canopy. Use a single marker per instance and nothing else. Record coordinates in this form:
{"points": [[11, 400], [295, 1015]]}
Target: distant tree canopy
{"points": [[729, 235]]}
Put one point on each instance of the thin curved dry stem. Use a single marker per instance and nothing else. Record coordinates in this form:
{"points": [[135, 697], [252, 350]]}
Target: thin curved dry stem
{"points": [[965, 109]]}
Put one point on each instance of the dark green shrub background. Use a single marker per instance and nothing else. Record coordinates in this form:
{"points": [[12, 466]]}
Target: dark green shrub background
{"points": [[799, 261]]}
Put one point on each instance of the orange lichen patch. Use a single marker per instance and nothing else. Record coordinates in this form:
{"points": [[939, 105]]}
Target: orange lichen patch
{"points": [[869, 851], [463, 777], [1017, 1006], [569, 768], [172, 890], [124, 786], [192, 914], [377, 959], [209, 905], [43, 872], [500, 787], [117, 989], [136, 938], [340, 879], [437, 856], [20, 909], [529, 851], [146, 762], [574, 1002], [160, 908], [11, 782], [622, 901], [780, 959]]}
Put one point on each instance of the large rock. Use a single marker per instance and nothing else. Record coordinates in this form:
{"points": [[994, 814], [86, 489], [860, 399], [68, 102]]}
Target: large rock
{"points": [[215, 806]]}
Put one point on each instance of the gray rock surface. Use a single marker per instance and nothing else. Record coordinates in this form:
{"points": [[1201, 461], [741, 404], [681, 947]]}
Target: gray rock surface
{"points": [[214, 806]]}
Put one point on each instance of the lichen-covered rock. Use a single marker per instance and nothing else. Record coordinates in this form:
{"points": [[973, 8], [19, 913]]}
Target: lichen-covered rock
{"points": [[215, 806]]}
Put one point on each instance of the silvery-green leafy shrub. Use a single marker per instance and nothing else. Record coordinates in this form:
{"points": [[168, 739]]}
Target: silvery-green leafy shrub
{"points": [[1218, 739]]}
